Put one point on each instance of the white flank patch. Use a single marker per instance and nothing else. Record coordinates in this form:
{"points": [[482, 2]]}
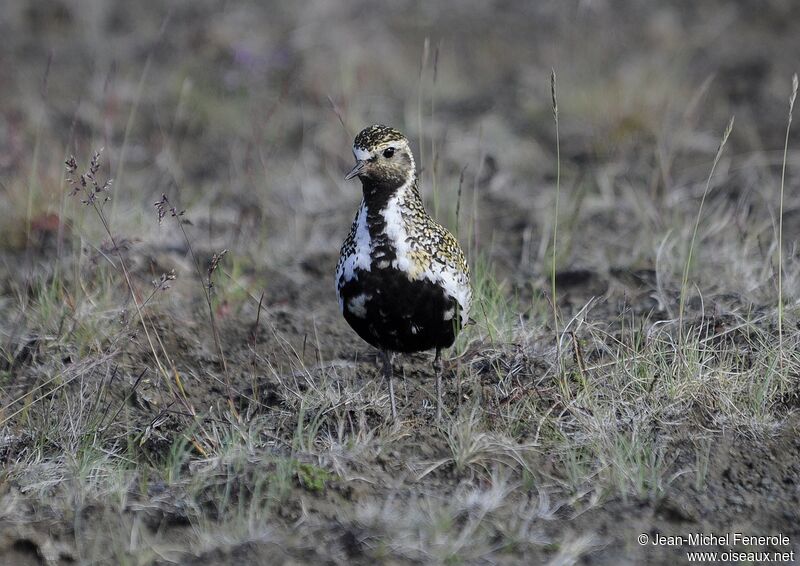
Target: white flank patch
{"points": [[361, 154], [449, 314], [357, 305], [448, 277], [359, 259]]}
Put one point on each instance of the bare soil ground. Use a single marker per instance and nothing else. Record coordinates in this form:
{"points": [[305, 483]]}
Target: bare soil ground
{"points": [[230, 416]]}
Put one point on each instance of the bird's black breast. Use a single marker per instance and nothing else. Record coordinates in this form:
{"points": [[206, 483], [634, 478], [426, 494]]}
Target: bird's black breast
{"points": [[392, 312]]}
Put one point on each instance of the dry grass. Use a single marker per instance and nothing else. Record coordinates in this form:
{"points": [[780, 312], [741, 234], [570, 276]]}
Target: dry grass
{"points": [[162, 406]]}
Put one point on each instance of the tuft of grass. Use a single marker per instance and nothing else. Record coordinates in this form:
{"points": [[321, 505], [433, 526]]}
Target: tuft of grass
{"points": [[496, 315], [313, 478]]}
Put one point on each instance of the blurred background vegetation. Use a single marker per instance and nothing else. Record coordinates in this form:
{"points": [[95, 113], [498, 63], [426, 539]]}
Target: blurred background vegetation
{"points": [[231, 107]]}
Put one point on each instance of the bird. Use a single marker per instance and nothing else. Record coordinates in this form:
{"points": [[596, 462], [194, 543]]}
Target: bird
{"points": [[402, 280]]}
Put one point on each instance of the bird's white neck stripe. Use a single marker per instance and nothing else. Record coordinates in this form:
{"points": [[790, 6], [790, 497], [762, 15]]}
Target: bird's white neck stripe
{"points": [[396, 229], [395, 226], [452, 282]]}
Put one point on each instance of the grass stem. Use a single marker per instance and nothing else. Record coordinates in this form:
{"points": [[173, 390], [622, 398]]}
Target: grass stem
{"points": [[690, 254], [555, 212], [792, 98]]}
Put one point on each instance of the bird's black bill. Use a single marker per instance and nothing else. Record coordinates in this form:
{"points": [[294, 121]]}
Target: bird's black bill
{"points": [[355, 170]]}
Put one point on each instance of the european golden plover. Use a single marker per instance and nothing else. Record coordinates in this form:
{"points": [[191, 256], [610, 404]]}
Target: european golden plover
{"points": [[402, 280]]}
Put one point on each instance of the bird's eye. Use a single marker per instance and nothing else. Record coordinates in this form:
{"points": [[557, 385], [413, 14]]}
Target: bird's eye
{"points": [[388, 152]]}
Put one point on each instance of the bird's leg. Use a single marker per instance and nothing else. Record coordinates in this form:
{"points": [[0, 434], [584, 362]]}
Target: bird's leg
{"points": [[437, 369], [387, 374]]}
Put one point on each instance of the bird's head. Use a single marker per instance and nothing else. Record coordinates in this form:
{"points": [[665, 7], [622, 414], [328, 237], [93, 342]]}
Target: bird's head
{"points": [[383, 157]]}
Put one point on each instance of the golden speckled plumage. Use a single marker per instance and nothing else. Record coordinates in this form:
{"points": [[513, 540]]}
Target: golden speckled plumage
{"points": [[430, 245], [376, 136], [431, 241]]}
